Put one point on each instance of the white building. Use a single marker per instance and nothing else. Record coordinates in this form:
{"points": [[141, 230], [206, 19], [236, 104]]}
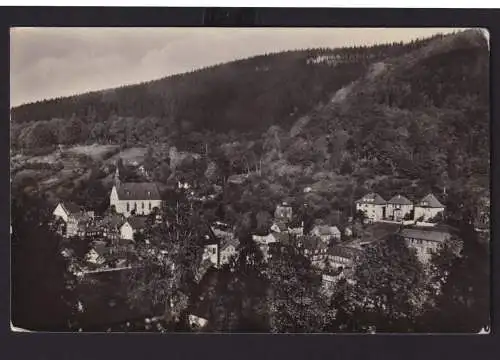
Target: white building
{"points": [[134, 198], [398, 207], [326, 233], [428, 207], [133, 225], [373, 205]]}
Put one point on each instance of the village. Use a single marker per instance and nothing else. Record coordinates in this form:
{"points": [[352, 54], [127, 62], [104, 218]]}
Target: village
{"points": [[332, 249]]}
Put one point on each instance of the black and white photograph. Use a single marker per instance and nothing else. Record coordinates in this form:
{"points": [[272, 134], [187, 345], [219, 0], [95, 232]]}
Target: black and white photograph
{"points": [[250, 180]]}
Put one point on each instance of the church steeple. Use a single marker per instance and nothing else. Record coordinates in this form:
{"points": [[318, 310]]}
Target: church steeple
{"points": [[117, 175]]}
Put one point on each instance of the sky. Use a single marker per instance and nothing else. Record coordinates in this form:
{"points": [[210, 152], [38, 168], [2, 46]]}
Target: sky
{"points": [[52, 62]]}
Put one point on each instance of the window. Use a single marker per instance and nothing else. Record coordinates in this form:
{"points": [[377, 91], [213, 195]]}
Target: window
{"points": [[143, 205], [429, 251], [135, 206], [128, 206], [150, 206]]}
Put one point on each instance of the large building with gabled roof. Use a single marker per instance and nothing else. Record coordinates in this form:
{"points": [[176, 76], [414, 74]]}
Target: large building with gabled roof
{"points": [[373, 205], [134, 198], [398, 207], [428, 207]]}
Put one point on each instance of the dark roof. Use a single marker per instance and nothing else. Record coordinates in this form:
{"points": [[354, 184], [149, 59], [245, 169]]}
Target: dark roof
{"points": [[430, 201], [313, 243], [71, 208], [372, 198], [113, 220], [138, 222], [429, 235], [399, 200], [100, 247], [344, 251], [138, 191]]}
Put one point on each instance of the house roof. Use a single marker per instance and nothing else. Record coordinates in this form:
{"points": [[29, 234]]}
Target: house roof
{"points": [[313, 243], [228, 241], [372, 198], [430, 201], [326, 230], [428, 235], [71, 208], [113, 220], [99, 247], [137, 222], [399, 200], [344, 251], [138, 191]]}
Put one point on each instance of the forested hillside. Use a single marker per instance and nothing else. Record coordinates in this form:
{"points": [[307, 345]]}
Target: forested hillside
{"points": [[409, 118], [245, 95]]}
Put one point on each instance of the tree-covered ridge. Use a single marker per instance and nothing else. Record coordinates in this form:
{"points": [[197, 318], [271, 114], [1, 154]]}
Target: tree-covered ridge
{"points": [[244, 95]]}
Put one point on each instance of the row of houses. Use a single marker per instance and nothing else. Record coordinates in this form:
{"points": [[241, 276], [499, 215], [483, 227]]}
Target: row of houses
{"points": [[399, 208]]}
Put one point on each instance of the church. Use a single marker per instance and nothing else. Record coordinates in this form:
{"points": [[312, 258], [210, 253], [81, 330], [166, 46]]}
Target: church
{"points": [[134, 198]]}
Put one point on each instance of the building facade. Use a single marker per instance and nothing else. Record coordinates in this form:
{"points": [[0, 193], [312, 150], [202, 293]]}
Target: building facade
{"points": [[428, 208], [134, 198], [398, 207], [425, 242], [373, 206]]}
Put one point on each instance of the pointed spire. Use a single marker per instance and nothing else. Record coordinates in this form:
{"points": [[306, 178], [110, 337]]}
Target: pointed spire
{"points": [[117, 175]]}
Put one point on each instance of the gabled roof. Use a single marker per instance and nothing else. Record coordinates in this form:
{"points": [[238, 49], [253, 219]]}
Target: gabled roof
{"points": [[430, 201], [113, 220], [313, 243], [71, 208], [228, 241], [372, 198], [399, 200], [137, 222], [428, 235], [138, 191], [345, 252], [100, 248], [326, 230]]}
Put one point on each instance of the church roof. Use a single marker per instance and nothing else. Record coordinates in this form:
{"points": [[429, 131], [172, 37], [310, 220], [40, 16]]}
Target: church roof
{"points": [[430, 201], [138, 191], [372, 198], [399, 200]]}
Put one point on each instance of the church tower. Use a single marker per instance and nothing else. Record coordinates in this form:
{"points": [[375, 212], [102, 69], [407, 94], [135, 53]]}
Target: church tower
{"points": [[117, 175]]}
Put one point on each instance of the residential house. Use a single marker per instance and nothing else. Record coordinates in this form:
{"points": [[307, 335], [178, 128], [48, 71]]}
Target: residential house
{"points": [[343, 257], [283, 212], [211, 248], [264, 241], [373, 206], [425, 242], [97, 253], [73, 216], [77, 225], [134, 198], [315, 249], [65, 210], [326, 233], [398, 207], [348, 231], [228, 248], [133, 225], [110, 226], [428, 208]]}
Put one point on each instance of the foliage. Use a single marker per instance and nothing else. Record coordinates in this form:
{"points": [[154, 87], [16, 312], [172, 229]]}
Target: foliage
{"points": [[387, 291], [42, 287]]}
